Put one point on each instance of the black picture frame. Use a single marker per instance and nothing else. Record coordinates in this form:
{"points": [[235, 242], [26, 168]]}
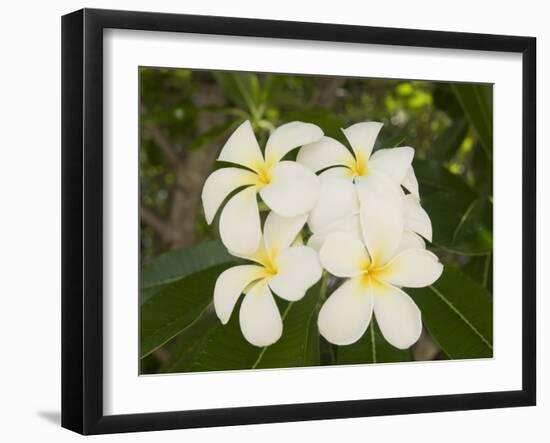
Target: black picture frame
{"points": [[82, 220]]}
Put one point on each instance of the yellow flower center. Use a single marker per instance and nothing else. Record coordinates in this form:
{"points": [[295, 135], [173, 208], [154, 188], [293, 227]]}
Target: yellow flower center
{"points": [[371, 273], [271, 269], [358, 167], [268, 259], [264, 174]]}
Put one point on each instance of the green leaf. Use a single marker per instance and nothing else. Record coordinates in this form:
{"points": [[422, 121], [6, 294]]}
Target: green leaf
{"points": [[480, 268], [445, 99], [241, 88], [473, 232], [481, 169], [371, 348], [272, 86], [462, 219], [433, 178], [458, 313], [177, 264], [223, 347], [477, 102], [227, 83], [189, 342], [175, 307], [213, 134], [448, 143], [216, 347]]}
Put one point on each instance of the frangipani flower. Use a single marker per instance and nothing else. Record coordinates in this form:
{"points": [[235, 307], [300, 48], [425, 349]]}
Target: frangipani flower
{"points": [[376, 268], [287, 270], [327, 152], [340, 203], [286, 187]]}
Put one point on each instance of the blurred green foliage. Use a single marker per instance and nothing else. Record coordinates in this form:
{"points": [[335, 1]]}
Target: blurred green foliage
{"points": [[184, 118]]}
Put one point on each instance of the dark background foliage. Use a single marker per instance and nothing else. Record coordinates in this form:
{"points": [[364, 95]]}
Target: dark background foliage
{"points": [[185, 118]]}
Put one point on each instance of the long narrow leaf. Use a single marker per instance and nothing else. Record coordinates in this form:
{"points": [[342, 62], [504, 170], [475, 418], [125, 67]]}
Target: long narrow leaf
{"points": [[477, 102]]}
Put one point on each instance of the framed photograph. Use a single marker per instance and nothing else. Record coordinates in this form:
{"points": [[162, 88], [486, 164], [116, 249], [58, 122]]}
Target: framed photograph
{"points": [[269, 221]]}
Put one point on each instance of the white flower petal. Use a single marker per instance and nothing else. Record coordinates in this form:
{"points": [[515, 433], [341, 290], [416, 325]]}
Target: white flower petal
{"points": [[411, 183], [410, 240], [289, 136], [342, 172], [345, 316], [324, 153], [280, 232], [259, 316], [242, 148], [412, 268], [382, 216], [337, 200], [219, 185], [230, 285], [259, 256], [397, 316], [298, 268], [316, 241], [349, 225], [394, 162], [381, 184], [293, 189], [416, 218], [343, 255], [240, 228], [361, 137]]}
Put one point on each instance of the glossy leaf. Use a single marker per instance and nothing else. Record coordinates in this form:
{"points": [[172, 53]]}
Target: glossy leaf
{"points": [[458, 313], [189, 342], [371, 348], [175, 307], [214, 347], [177, 264]]}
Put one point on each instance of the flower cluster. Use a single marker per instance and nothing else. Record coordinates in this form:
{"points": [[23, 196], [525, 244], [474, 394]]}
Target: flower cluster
{"points": [[363, 229]]}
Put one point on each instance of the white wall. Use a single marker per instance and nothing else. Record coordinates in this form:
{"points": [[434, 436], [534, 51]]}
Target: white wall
{"points": [[30, 218]]}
